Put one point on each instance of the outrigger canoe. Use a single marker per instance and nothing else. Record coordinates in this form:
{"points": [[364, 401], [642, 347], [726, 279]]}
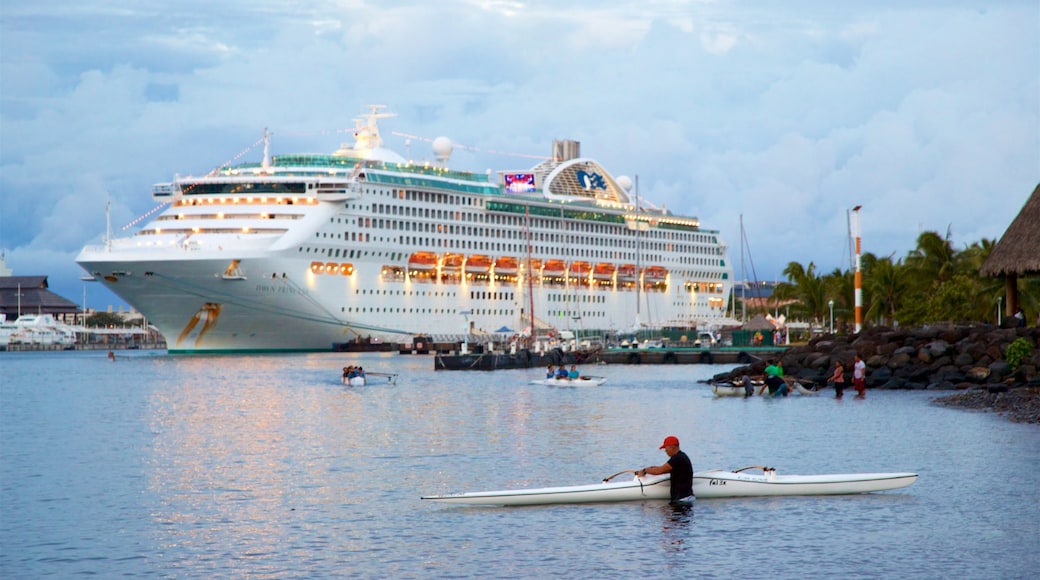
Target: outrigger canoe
{"points": [[578, 382], [714, 483], [733, 390], [371, 377]]}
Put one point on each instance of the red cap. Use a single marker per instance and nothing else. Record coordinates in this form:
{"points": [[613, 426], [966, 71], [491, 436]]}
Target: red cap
{"points": [[670, 440]]}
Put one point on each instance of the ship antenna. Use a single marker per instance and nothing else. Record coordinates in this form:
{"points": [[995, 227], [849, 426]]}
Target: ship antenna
{"points": [[266, 162]]}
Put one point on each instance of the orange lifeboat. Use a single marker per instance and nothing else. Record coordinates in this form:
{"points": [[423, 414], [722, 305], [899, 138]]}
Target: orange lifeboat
{"points": [[655, 274], [603, 271], [478, 264], [452, 262], [556, 268], [506, 266], [422, 261], [580, 268], [626, 273]]}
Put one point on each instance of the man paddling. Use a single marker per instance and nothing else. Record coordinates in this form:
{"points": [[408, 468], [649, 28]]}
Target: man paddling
{"points": [[679, 466]]}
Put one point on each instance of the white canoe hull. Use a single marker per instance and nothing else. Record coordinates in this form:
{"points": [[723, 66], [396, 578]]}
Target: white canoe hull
{"points": [[706, 484], [720, 483], [635, 489], [729, 390], [578, 382]]}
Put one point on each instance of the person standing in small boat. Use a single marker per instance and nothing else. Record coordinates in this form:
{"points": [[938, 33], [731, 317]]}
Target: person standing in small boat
{"points": [[680, 468], [838, 379]]}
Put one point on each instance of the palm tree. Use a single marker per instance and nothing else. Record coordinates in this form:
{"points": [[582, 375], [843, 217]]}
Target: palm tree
{"points": [[804, 286], [887, 285], [841, 287], [934, 258]]}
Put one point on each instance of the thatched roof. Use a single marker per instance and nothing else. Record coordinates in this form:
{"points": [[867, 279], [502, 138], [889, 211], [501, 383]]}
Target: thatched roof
{"points": [[759, 322], [1018, 250]]}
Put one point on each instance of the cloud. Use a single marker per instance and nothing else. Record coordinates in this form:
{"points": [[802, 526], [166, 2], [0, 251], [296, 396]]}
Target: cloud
{"points": [[926, 113]]}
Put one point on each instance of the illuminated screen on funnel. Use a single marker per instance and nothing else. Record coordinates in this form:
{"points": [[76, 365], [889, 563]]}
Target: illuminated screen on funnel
{"points": [[519, 182]]}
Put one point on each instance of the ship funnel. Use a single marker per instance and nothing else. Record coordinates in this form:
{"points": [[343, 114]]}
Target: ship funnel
{"points": [[566, 149]]}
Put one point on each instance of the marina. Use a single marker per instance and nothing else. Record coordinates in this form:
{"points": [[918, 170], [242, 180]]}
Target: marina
{"points": [[301, 252]]}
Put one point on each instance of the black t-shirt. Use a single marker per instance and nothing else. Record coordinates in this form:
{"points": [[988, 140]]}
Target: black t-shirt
{"points": [[682, 475]]}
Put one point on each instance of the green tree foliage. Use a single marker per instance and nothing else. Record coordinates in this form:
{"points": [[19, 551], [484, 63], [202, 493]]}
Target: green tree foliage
{"points": [[934, 283], [105, 319]]}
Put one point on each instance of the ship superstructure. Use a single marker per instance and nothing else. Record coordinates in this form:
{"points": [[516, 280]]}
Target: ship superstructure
{"points": [[298, 252]]}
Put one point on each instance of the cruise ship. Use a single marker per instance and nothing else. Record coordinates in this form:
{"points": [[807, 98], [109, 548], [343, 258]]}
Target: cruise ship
{"points": [[300, 252]]}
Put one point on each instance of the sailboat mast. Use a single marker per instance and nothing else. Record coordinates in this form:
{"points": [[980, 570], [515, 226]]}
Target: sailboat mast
{"points": [[530, 279], [743, 275], [639, 243]]}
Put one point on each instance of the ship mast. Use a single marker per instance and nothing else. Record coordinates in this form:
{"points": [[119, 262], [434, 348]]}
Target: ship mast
{"points": [[530, 280]]}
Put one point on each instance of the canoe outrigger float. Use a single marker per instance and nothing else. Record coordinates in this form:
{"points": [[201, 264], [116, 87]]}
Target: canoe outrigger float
{"points": [[713, 483]]}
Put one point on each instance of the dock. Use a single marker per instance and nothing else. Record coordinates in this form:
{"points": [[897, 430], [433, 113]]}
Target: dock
{"points": [[686, 356], [487, 361]]}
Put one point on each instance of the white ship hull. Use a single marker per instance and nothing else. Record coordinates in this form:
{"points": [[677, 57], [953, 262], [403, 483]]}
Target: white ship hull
{"points": [[303, 252]]}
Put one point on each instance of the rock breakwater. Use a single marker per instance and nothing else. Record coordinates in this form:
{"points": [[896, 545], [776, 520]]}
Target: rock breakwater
{"points": [[965, 358]]}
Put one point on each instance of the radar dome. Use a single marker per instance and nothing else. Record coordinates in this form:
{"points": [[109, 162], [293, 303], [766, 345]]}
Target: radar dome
{"points": [[442, 148], [625, 182]]}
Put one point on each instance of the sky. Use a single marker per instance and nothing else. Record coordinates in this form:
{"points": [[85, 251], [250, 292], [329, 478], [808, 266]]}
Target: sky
{"points": [[778, 115]]}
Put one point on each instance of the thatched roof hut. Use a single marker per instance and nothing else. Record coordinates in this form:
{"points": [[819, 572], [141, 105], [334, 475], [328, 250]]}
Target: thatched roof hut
{"points": [[1017, 253]]}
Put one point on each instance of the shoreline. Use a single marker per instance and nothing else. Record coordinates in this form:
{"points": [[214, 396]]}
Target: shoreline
{"points": [[1021, 405]]}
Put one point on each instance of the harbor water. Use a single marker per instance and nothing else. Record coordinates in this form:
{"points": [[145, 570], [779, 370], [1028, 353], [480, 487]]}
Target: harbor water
{"points": [[268, 467]]}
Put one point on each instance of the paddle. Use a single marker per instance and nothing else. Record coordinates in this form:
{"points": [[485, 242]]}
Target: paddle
{"points": [[606, 479]]}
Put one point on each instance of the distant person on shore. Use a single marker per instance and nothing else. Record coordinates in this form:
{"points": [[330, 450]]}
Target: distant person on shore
{"points": [[680, 468], [1020, 317], [859, 377], [838, 379], [573, 374]]}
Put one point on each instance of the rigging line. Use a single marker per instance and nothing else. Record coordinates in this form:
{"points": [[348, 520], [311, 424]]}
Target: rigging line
{"points": [[307, 296], [150, 212], [754, 275]]}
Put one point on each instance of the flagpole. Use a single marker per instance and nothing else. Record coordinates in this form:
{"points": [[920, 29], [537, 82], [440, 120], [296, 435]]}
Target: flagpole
{"points": [[859, 273]]}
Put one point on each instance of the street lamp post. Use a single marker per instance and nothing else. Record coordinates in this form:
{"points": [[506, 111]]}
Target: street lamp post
{"points": [[830, 303]]}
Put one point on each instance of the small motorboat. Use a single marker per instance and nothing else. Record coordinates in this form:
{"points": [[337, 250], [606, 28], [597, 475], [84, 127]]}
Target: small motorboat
{"points": [[713, 483], [581, 381]]}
